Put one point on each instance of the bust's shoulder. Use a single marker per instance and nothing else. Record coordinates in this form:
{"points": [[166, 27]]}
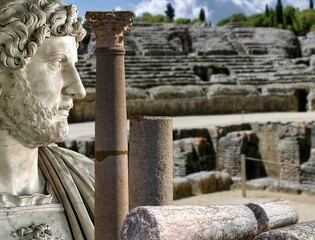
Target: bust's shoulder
{"points": [[73, 158]]}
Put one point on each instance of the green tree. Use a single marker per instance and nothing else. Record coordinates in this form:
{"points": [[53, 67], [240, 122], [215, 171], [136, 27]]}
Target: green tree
{"points": [[279, 12], [223, 21], [147, 17], [170, 11], [257, 20], [289, 16], [237, 17], [304, 21], [183, 21], [267, 11], [202, 15], [311, 4]]}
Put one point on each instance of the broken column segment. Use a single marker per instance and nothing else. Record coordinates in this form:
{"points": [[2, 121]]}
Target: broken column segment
{"points": [[301, 231], [208, 222], [190, 223], [111, 165], [274, 214], [150, 161]]}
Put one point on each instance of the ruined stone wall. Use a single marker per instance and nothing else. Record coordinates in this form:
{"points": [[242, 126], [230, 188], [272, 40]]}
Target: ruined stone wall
{"points": [[275, 150], [289, 160]]}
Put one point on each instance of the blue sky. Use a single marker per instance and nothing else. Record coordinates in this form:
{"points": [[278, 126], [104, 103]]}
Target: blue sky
{"points": [[215, 9]]}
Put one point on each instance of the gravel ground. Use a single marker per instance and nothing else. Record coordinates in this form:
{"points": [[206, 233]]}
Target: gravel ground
{"points": [[304, 204]]}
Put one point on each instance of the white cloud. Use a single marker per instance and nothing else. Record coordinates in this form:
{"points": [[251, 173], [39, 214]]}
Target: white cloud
{"points": [[118, 8], [190, 9], [183, 8], [154, 7], [301, 4], [258, 6], [252, 6]]}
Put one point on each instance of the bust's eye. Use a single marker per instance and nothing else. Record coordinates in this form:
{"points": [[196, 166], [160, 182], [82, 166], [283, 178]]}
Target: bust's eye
{"points": [[55, 65]]}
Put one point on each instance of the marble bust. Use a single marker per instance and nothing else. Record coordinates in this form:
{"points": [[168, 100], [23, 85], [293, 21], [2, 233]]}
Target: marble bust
{"points": [[46, 192]]}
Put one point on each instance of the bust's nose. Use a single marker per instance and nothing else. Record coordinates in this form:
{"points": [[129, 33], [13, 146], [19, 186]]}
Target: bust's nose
{"points": [[74, 87]]}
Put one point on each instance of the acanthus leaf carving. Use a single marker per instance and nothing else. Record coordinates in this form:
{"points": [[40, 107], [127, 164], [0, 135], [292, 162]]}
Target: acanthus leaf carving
{"points": [[109, 27], [37, 232]]}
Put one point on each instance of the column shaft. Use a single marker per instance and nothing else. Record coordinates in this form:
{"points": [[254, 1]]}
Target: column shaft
{"points": [[150, 161], [111, 145], [111, 167]]}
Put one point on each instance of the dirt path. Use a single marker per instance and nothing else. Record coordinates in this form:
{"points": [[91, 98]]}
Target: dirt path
{"points": [[87, 128], [304, 204]]}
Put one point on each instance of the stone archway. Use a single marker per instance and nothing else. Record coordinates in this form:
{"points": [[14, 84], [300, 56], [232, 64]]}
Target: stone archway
{"points": [[185, 39], [205, 72], [301, 97]]}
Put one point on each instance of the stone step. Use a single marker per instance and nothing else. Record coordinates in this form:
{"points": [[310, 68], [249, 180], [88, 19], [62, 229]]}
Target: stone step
{"points": [[293, 79], [155, 60], [254, 71], [253, 81], [157, 68], [253, 67], [146, 73], [182, 58], [150, 84], [162, 76], [294, 74]]}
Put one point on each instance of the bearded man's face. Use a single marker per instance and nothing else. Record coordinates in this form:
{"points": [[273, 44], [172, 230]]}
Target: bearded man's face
{"points": [[37, 99]]}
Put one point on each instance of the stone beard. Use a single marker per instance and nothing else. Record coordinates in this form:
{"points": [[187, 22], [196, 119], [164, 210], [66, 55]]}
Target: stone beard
{"points": [[24, 117]]}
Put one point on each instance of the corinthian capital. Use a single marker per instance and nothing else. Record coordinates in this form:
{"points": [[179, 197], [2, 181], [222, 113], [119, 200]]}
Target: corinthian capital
{"points": [[109, 27]]}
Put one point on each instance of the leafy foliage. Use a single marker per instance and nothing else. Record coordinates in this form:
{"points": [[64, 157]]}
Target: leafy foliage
{"points": [[170, 12], [147, 17], [202, 15], [300, 22], [267, 11], [237, 17], [183, 21], [279, 12]]}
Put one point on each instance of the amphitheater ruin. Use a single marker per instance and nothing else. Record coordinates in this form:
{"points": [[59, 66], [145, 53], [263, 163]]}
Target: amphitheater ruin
{"points": [[205, 70], [180, 70], [174, 70]]}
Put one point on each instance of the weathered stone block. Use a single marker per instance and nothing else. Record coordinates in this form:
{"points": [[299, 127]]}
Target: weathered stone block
{"points": [[176, 92], [136, 93], [192, 155], [203, 182], [274, 214], [230, 148], [190, 223], [181, 188], [308, 169], [301, 231]]}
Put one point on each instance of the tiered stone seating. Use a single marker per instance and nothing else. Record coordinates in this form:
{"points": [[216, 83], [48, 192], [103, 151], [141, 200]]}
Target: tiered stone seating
{"points": [[167, 56]]}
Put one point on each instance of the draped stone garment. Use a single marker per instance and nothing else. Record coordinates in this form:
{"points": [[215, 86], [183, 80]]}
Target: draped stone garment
{"points": [[72, 178]]}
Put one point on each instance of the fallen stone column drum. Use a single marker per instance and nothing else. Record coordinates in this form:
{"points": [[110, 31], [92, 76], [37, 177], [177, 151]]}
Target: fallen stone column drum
{"points": [[190, 223], [150, 161], [301, 231], [274, 214]]}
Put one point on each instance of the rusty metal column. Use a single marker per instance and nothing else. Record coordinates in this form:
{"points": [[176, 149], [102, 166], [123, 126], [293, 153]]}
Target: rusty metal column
{"points": [[111, 145]]}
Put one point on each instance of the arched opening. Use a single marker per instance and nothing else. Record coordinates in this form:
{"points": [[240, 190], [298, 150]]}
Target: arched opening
{"points": [[301, 97], [255, 167], [181, 38], [205, 72]]}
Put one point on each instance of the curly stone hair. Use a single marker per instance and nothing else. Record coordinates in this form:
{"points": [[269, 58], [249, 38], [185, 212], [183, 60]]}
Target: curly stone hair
{"points": [[25, 24]]}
